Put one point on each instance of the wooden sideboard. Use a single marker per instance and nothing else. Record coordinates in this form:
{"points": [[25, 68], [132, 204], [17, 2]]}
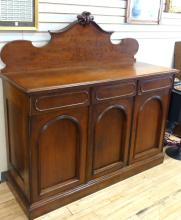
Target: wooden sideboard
{"points": [[81, 114]]}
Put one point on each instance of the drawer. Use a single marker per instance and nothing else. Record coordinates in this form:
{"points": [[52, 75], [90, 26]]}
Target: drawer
{"points": [[114, 91], [157, 83], [60, 100]]}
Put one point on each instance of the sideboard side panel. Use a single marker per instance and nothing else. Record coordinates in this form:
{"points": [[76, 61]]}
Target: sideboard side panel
{"points": [[17, 113]]}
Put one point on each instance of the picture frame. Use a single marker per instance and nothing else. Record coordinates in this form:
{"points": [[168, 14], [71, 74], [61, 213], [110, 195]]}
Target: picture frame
{"points": [[16, 16], [173, 6], [144, 11]]}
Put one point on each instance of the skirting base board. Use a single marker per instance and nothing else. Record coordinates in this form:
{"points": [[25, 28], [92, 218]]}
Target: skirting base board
{"points": [[46, 205]]}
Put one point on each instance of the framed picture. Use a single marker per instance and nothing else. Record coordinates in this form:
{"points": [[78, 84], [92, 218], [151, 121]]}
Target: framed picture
{"points": [[144, 11], [18, 15], [173, 6]]}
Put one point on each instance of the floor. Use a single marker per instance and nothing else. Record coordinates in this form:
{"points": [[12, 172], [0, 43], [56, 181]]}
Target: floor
{"points": [[152, 195]]}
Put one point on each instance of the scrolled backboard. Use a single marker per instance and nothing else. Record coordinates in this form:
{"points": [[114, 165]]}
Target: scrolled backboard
{"points": [[82, 43]]}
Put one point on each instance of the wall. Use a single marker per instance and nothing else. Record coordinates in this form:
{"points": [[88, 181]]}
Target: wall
{"points": [[156, 41]]}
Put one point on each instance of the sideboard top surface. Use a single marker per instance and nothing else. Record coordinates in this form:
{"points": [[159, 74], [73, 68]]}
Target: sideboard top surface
{"points": [[44, 80]]}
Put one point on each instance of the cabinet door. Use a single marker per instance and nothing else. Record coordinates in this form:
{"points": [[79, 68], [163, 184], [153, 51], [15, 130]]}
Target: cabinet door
{"points": [[110, 137], [151, 107], [59, 142]]}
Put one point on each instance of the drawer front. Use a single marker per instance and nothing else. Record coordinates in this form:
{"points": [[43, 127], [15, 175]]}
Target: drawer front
{"points": [[157, 83], [114, 91], [60, 100]]}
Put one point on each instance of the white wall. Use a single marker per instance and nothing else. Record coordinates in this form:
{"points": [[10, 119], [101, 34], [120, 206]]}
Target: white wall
{"points": [[156, 41]]}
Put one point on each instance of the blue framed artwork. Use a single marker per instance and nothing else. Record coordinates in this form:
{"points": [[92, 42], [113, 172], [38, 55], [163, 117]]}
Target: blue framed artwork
{"points": [[144, 11]]}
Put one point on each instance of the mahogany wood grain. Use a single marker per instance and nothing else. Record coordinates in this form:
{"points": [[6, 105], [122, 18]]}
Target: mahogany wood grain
{"points": [[81, 114], [17, 116], [46, 80], [54, 101], [76, 45], [59, 145], [156, 83], [114, 91], [150, 116], [177, 58], [111, 133]]}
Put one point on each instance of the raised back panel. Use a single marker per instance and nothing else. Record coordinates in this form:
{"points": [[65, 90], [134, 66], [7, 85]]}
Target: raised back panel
{"points": [[81, 43]]}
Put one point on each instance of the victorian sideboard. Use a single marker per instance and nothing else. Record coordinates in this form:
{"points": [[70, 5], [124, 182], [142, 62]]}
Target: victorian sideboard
{"points": [[81, 114]]}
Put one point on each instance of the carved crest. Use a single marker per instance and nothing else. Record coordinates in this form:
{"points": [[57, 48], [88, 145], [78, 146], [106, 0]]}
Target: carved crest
{"points": [[85, 18]]}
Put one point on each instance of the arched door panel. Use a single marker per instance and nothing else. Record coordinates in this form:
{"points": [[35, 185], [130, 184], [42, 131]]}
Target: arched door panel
{"points": [[110, 132], [148, 125], [59, 151]]}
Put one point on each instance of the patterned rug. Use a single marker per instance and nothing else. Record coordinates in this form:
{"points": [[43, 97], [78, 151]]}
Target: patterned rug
{"points": [[171, 140]]}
